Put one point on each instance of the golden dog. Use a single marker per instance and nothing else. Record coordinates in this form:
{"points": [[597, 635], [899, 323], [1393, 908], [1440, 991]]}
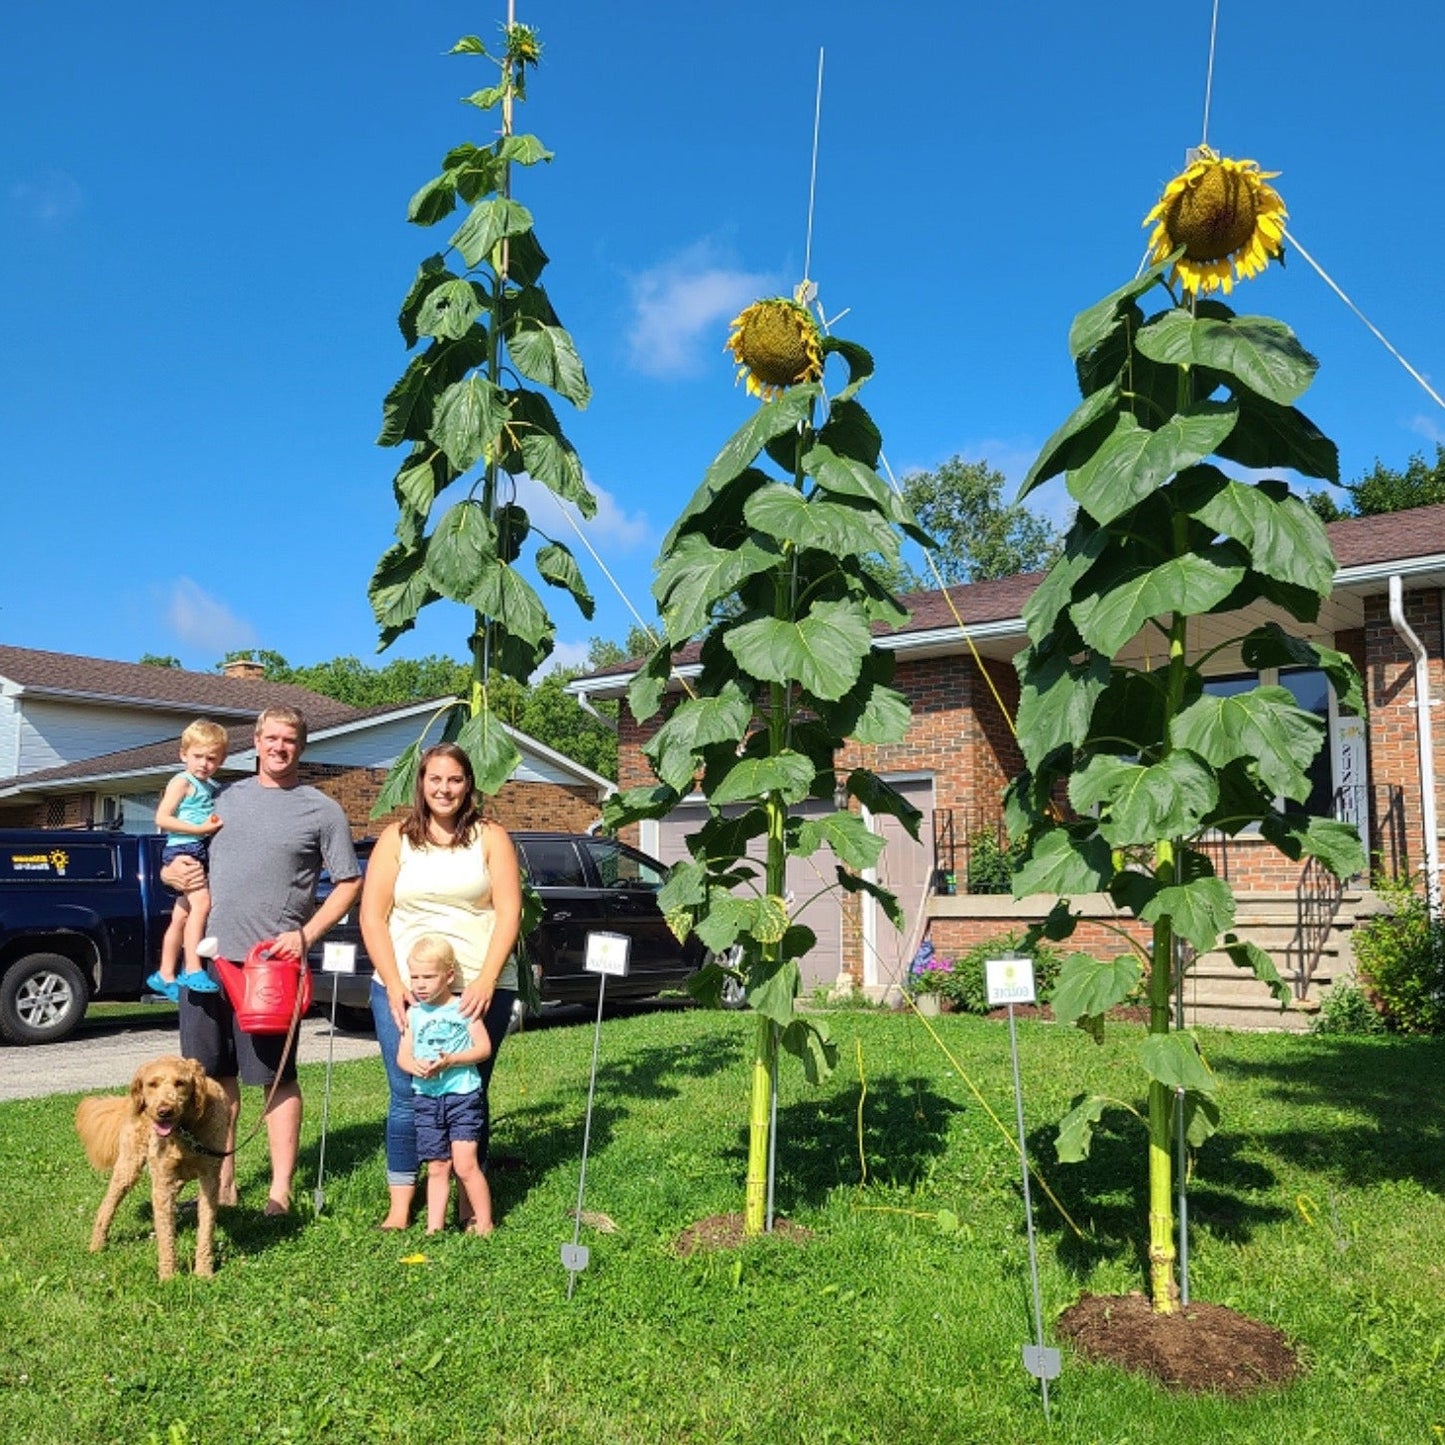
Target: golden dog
{"points": [[175, 1120]]}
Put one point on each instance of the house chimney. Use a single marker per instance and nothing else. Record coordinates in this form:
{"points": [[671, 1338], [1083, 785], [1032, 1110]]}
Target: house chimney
{"points": [[245, 668]]}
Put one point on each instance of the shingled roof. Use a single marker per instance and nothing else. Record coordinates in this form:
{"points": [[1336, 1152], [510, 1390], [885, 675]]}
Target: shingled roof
{"points": [[63, 674]]}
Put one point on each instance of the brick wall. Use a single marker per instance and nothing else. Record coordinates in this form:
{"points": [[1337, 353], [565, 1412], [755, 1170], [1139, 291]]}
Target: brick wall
{"points": [[550, 807]]}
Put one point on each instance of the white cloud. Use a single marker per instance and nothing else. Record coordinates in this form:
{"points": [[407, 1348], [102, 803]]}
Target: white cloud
{"points": [[1427, 427], [48, 200], [564, 654], [203, 622], [611, 527], [680, 307]]}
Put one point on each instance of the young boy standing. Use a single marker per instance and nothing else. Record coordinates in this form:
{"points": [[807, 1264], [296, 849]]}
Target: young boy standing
{"points": [[188, 819]]}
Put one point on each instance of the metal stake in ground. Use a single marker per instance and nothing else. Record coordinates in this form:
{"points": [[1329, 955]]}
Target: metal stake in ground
{"points": [[606, 957], [336, 959], [1010, 981]]}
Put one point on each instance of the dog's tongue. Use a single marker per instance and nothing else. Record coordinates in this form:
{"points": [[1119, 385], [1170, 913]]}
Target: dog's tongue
{"points": [[162, 1129]]}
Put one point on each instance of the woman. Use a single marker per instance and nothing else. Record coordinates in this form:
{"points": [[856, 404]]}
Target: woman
{"points": [[441, 869]]}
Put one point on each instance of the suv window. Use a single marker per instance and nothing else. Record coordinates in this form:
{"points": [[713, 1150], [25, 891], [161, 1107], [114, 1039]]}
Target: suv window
{"points": [[552, 863], [53, 862], [620, 867]]}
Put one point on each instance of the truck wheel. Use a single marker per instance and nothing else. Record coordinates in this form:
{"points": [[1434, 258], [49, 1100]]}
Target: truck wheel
{"points": [[42, 999]]}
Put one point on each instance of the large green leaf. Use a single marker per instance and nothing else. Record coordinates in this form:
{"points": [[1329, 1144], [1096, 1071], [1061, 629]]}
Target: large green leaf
{"points": [[850, 432], [502, 593], [852, 883], [424, 474], [878, 797], [1056, 699], [545, 453], [1271, 646], [1190, 584], [470, 415], [431, 273], [870, 716], [449, 310], [785, 514], [784, 413], [695, 575], [546, 354], [462, 546], [846, 834], [490, 220], [1264, 725], [686, 887], [858, 360], [1092, 327], [1201, 1117], [633, 805], [493, 754], [1076, 1129], [1058, 863], [1174, 1060], [843, 476], [1248, 955], [434, 201], [807, 1040], [772, 988], [1336, 844], [1269, 435], [557, 566], [724, 838], [1285, 538], [787, 773], [1200, 910], [1135, 461], [649, 683], [396, 792], [522, 150], [1073, 443], [1089, 987], [1142, 804], [399, 590], [822, 652], [676, 747], [1261, 353], [1082, 548]]}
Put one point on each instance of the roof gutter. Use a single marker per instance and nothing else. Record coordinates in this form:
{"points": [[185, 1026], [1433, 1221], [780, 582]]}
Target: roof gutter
{"points": [[1425, 742]]}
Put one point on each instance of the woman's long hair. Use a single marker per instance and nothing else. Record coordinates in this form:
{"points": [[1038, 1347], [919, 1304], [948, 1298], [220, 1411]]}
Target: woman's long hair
{"points": [[469, 816]]}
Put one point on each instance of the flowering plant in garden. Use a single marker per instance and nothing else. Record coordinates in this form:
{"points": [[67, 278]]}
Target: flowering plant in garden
{"points": [[1149, 756], [929, 973]]}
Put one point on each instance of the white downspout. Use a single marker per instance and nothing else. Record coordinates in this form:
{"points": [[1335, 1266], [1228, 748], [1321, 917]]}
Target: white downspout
{"points": [[1426, 742]]}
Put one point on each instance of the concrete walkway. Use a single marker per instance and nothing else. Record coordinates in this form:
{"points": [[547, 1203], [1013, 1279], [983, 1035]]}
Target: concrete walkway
{"points": [[105, 1053]]}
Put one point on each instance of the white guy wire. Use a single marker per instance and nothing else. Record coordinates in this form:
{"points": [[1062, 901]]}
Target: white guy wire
{"points": [[813, 175], [1373, 329], [1209, 75]]}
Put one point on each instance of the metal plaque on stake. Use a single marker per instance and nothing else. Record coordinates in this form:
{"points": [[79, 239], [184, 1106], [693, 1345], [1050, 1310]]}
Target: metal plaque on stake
{"points": [[1010, 981], [336, 959], [607, 957]]}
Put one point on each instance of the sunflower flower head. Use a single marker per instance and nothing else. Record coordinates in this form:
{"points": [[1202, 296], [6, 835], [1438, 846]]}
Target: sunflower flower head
{"points": [[776, 344], [1221, 211], [522, 44]]}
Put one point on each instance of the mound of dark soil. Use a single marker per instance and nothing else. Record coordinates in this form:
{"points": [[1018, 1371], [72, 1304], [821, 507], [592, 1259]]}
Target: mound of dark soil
{"points": [[725, 1231], [1200, 1347]]}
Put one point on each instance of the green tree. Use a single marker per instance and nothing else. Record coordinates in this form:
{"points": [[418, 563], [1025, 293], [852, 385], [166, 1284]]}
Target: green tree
{"points": [[274, 667], [977, 535], [1150, 759], [486, 327], [603, 652], [1383, 489], [159, 659], [768, 566]]}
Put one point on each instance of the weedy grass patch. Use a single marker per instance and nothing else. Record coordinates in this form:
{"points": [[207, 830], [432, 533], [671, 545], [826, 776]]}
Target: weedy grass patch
{"points": [[1317, 1208]]}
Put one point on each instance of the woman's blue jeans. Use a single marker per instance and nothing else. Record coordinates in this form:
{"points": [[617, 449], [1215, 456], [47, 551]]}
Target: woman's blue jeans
{"points": [[401, 1160]]}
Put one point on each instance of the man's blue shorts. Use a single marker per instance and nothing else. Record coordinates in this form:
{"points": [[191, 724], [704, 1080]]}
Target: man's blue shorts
{"points": [[446, 1119]]}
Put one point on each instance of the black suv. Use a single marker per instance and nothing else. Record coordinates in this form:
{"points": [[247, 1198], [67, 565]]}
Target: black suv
{"points": [[587, 884]]}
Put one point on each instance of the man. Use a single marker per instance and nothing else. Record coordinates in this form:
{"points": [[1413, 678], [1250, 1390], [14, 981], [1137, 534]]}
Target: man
{"points": [[274, 837]]}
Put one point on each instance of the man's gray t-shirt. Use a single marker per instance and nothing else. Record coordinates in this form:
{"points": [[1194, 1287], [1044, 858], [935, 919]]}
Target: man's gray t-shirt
{"points": [[266, 859]]}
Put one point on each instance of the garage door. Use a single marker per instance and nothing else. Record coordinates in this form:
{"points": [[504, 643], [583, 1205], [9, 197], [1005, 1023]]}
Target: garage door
{"points": [[814, 903], [906, 868]]}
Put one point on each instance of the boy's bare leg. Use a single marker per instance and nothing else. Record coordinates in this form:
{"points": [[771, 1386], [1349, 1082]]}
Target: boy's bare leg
{"points": [[174, 941], [195, 927], [473, 1184], [438, 1192]]}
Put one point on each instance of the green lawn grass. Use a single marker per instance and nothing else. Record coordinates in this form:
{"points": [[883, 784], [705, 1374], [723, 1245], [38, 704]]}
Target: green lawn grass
{"points": [[1317, 1209]]}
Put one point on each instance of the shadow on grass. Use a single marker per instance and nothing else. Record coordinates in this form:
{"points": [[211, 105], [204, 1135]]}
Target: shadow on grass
{"points": [[1388, 1119], [905, 1129], [1107, 1194]]}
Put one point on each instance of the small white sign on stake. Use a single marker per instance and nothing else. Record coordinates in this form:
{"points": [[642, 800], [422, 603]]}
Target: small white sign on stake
{"points": [[1008, 980], [338, 958], [607, 954]]}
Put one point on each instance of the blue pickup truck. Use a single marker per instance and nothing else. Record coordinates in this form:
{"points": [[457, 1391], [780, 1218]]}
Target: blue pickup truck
{"points": [[82, 915]]}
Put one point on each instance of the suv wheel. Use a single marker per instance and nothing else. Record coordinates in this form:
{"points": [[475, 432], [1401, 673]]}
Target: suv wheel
{"points": [[42, 999]]}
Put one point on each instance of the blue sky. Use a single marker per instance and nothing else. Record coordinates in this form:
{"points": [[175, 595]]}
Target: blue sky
{"points": [[203, 246]]}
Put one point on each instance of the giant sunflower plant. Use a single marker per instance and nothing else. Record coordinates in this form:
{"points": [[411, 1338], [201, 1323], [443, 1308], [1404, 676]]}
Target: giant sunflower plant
{"points": [[463, 408], [1148, 758], [766, 569]]}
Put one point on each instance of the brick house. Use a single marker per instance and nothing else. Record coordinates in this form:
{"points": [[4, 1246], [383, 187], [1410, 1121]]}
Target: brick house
{"points": [[955, 663], [85, 741]]}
